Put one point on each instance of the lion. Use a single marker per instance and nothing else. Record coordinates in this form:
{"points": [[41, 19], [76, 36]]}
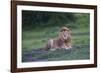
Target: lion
{"points": [[63, 41]]}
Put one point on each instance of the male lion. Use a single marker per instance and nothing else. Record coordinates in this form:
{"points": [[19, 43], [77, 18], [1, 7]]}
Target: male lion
{"points": [[63, 41]]}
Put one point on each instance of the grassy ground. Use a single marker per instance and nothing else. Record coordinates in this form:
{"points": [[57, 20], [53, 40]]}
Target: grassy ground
{"points": [[32, 40]]}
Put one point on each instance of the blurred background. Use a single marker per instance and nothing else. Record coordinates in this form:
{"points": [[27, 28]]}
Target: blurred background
{"points": [[39, 26]]}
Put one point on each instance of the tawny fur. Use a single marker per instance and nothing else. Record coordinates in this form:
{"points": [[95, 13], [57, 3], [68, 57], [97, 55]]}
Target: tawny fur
{"points": [[63, 41]]}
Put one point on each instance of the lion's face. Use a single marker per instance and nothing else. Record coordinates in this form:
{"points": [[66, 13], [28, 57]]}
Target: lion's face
{"points": [[65, 35]]}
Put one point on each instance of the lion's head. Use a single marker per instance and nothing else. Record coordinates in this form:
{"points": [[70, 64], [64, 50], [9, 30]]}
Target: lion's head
{"points": [[65, 36]]}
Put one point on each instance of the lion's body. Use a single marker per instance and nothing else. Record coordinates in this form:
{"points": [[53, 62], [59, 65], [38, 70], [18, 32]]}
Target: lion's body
{"points": [[63, 41]]}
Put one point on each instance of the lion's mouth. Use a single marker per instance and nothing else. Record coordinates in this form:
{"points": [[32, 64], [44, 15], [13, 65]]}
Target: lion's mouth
{"points": [[65, 41]]}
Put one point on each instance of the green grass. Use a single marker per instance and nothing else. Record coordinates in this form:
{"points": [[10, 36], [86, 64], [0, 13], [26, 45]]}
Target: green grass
{"points": [[39, 38], [76, 53], [33, 40]]}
